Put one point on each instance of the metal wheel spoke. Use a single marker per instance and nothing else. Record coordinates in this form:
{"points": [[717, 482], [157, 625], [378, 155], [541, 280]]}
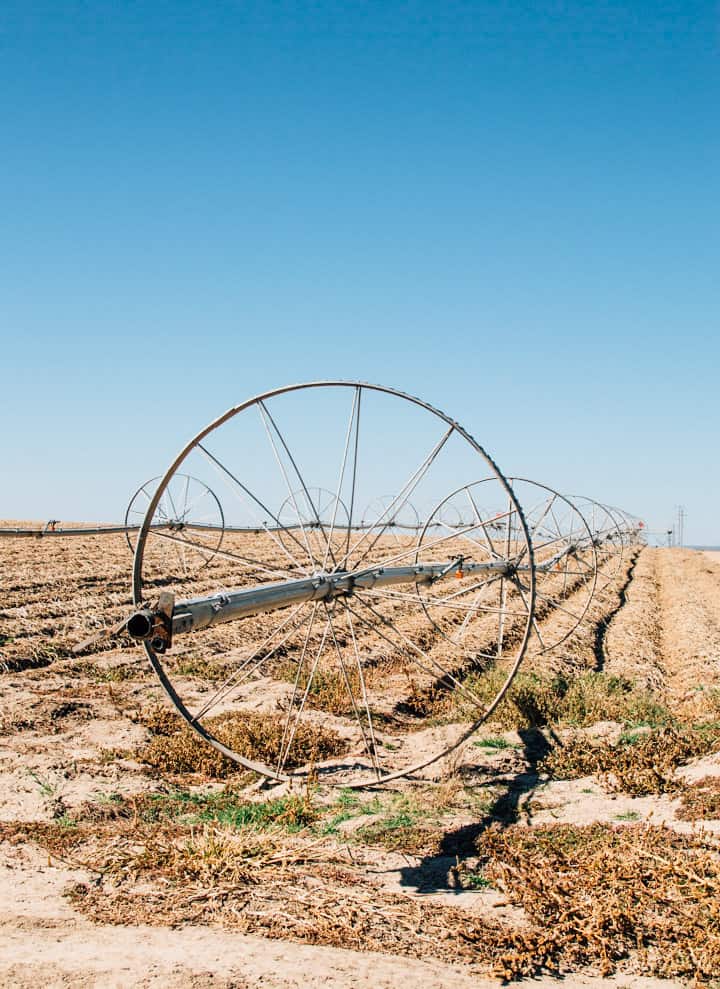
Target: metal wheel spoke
{"points": [[252, 497], [466, 620], [161, 513], [348, 685], [537, 632], [438, 602], [232, 682], [363, 689], [410, 551], [402, 497], [590, 570], [478, 586], [476, 653], [280, 436], [464, 534], [194, 504], [175, 513], [177, 540], [550, 542], [483, 526], [558, 527], [291, 493], [282, 755], [372, 627], [445, 674], [501, 623], [538, 522], [535, 626], [354, 473], [546, 510], [306, 692], [565, 577], [185, 495], [328, 551], [225, 554], [556, 604]]}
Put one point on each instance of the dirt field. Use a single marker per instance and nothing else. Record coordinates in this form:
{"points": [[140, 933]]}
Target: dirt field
{"points": [[576, 835]]}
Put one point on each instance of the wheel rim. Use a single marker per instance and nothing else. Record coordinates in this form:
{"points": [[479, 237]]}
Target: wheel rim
{"points": [[353, 637]]}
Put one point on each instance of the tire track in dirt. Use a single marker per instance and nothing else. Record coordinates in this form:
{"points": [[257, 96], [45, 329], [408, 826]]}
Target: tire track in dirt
{"points": [[601, 629], [689, 599], [632, 642], [666, 637], [580, 651]]}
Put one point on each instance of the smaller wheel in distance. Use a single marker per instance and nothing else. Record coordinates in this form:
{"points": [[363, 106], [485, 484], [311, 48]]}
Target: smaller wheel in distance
{"points": [[401, 523], [185, 504], [310, 514]]}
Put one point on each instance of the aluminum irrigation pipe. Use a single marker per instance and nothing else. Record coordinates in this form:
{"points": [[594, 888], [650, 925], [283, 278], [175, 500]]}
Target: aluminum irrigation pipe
{"points": [[97, 530], [110, 529], [200, 613]]}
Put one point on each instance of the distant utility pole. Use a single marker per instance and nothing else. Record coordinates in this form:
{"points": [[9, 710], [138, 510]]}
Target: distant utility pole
{"points": [[681, 525]]}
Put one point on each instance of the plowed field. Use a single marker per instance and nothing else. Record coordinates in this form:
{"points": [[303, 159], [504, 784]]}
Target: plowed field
{"points": [[576, 835]]}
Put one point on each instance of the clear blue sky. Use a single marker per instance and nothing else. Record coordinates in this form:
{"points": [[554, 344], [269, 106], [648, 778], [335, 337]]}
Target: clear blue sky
{"points": [[511, 209]]}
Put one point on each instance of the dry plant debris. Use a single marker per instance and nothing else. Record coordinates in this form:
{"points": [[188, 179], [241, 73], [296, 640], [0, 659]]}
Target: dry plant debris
{"points": [[328, 689], [601, 897], [597, 895], [701, 801], [639, 764], [262, 880], [594, 896], [174, 748]]}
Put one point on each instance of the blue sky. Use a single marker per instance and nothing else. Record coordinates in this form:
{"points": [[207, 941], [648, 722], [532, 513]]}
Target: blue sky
{"points": [[510, 209]]}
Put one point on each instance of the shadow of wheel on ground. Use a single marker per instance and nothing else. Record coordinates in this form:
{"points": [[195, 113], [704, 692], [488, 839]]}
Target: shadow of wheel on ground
{"points": [[440, 872]]}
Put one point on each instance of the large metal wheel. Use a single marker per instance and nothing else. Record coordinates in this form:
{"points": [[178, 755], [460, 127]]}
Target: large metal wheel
{"points": [[335, 649], [565, 564]]}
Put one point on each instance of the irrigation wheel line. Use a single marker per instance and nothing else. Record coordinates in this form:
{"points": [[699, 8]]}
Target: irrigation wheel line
{"points": [[625, 536], [565, 560], [186, 503], [631, 528], [309, 621], [607, 534]]}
